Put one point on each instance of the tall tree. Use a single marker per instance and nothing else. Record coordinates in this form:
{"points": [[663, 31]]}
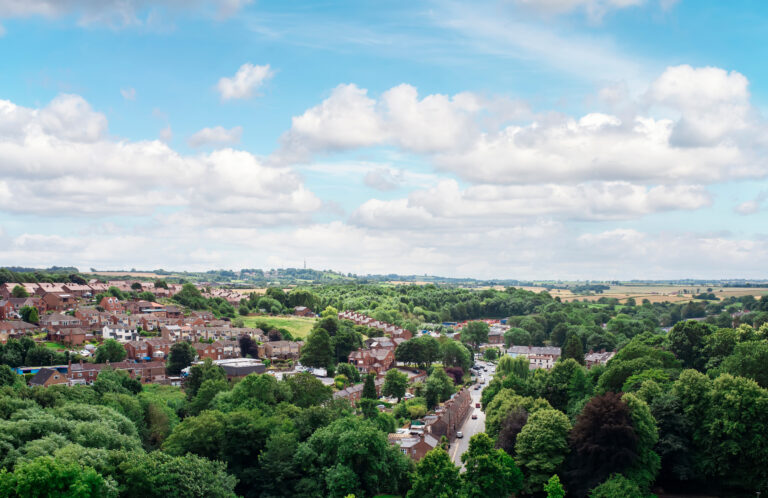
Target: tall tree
{"points": [[395, 383], [603, 442], [181, 356], [554, 489], [542, 446], [110, 350], [317, 351], [19, 291], [369, 388], [573, 349], [436, 477], [490, 472], [29, 314], [475, 333]]}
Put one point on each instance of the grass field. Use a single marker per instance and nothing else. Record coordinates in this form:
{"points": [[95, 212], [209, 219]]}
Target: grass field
{"points": [[298, 326]]}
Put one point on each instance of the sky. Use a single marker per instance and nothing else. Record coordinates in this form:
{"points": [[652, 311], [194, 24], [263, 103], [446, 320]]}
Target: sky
{"points": [[530, 139]]}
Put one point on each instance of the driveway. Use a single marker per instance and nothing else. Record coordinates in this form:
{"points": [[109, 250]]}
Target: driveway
{"points": [[470, 427]]}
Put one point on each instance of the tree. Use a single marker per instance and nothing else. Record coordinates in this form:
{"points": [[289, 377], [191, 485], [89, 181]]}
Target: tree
{"points": [[369, 388], [511, 425], [516, 336], [541, 447], [491, 354], [518, 366], [554, 489], [687, 342], [395, 383], [8, 377], [603, 442], [199, 374], [317, 351], [573, 349], [161, 284], [490, 472], [47, 476], [29, 314], [136, 286], [750, 360], [617, 485], [19, 292], [439, 387], [436, 477], [344, 342], [329, 311], [39, 356], [475, 333], [349, 371], [111, 351], [181, 356], [455, 354]]}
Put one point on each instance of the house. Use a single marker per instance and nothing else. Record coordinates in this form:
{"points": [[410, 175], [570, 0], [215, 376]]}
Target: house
{"points": [[86, 373], [78, 290], [59, 301], [173, 311], [57, 321], [14, 329], [73, 336], [47, 377], [303, 311], [111, 304], [496, 333], [354, 393], [45, 288], [89, 317], [136, 350], [376, 361], [450, 415], [6, 290], [119, 333], [158, 348], [600, 358], [12, 306], [205, 350], [283, 349], [538, 356], [414, 446]]}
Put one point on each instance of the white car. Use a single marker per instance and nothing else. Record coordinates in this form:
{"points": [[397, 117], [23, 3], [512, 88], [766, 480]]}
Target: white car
{"points": [[459, 435]]}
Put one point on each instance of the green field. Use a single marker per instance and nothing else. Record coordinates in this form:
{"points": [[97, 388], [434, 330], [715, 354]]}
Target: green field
{"points": [[298, 326]]}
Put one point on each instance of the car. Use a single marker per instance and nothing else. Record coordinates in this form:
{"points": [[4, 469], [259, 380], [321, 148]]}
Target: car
{"points": [[474, 416], [477, 405], [459, 435], [477, 387]]}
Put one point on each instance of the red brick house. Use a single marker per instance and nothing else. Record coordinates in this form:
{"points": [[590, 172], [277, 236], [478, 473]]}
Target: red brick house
{"points": [[86, 373], [376, 361], [47, 377], [303, 311], [136, 350], [158, 348], [57, 301], [111, 304], [72, 336]]}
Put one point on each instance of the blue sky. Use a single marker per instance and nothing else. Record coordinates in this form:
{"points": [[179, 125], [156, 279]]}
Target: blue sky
{"points": [[516, 138]]}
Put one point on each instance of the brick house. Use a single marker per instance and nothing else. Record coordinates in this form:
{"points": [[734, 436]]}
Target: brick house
{"points": [[78, 290], [59, 301], [414, 446], [450, 415], [57, 321], [376, 361], [47, 377], [111, 304], [283, 349], [89, 317], [73, 336], [136, 350], [158, 348], [205, 350], [354, 393], [86, 373], [303, 311], [11, 329]]}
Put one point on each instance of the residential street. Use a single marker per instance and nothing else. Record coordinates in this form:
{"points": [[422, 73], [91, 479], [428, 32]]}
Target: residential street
{"points": [[471, 427]]}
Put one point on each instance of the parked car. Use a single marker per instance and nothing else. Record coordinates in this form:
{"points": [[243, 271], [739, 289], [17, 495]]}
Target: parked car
{"points": [[459, 434], [477, 405]]}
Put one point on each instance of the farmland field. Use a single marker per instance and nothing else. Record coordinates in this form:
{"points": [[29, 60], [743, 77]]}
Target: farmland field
{"points": [[298, 326], [656, 293]]}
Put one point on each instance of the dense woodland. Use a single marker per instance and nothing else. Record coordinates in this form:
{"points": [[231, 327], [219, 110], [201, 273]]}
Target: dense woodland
{"points": [[688, 409]]}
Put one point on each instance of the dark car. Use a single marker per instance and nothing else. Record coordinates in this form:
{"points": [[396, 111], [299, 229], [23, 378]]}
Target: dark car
{"points": [[474, 416]]}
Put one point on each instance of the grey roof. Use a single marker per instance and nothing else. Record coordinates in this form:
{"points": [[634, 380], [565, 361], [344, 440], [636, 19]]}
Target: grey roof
{"points": [[535, 350], [42, 376]]}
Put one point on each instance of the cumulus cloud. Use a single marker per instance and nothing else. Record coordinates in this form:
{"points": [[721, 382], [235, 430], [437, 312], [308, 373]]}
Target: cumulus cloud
{"points": [[216, 136], [446, 204], [58, 160], [698, 127], [754, 205], [245, 82], [384, 178]]}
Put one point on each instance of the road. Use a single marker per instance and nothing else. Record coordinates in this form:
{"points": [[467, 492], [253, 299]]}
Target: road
{"points": [[471, 427]]}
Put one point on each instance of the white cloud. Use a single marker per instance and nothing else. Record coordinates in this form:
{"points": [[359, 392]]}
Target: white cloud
{"points": [[595, 9], [694, 126], [245, 82], [166, 134], [384, 178], [752, 206], [446, 205], [216, 136], [58, 161], [128, 93], [115, 13]]}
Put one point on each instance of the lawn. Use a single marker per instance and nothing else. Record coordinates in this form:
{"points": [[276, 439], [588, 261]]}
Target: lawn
{"points": [[298, 326]]}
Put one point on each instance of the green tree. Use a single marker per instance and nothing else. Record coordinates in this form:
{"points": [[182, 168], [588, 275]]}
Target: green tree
{"points": [[111, 351], [39, 355], [8, 377], [436, 477], [349, 371], [136, 286], [750, 360], [47, 476], [617, 486], [395, 383], [553, 488], [455, 354], [573, 349], [439, 387], [19, 292], [687, 342], [516, 336], [475, 333], [491, 354], [369, 388], [29, 314], [181, 355], [317, 351], [490, 472], [199, 374], [541, 447]]}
